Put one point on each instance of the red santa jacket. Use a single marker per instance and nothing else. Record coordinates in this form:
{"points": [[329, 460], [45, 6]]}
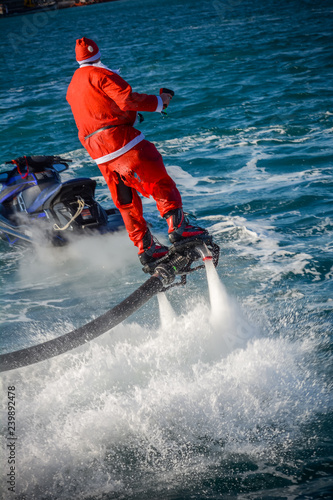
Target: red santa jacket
{"points": [[98, 98]]}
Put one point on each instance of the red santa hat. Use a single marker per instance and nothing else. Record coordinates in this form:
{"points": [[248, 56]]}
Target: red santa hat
{"points": [[86, 50]]}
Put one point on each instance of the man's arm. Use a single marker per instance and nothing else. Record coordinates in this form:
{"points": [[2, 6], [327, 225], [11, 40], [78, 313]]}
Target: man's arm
{"points": [[121, 93]]}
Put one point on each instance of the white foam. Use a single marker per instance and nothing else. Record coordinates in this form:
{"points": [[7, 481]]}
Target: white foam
{"points": [[259, 241], [182, 177], [329, 275], [205, 142], [141, 399]]}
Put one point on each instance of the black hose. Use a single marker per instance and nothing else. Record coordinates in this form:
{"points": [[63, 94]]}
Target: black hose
{"points": [[83, 334]]}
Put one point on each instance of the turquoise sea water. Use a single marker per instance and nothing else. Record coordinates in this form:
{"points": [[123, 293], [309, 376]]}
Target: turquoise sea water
{"points": [[169, 405]]}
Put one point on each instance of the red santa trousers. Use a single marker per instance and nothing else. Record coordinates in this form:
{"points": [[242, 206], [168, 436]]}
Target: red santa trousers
{"points": [[142, 170]]}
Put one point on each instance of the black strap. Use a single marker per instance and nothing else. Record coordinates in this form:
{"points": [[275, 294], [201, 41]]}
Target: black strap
{"points": [[100, 130]]}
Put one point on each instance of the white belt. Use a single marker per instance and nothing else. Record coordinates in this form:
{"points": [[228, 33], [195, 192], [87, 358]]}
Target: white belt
{"points": [[121, 151]]}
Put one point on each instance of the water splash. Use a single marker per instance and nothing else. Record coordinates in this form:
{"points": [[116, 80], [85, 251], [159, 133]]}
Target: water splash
{"points": [[167, 313], [226, 318], [219, 300], [118, 414]]}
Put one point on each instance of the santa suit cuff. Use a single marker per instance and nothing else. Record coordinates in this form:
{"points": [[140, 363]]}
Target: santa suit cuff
{"points": [[159, 105]]}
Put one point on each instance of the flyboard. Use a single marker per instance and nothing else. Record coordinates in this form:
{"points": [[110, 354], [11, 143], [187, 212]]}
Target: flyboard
{"points": [[167, 272]]}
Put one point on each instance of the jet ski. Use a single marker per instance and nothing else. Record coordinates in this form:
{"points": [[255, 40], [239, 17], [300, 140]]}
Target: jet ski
{"points": [[34, 202]]}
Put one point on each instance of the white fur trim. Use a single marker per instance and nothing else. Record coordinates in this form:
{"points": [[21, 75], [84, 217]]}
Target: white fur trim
{"points": [[159, 105], [92, 58], [99, 64], [121, 151]]}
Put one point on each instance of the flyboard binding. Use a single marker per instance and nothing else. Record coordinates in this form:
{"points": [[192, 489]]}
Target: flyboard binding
{"points": [[178, 262], [180, 259]]}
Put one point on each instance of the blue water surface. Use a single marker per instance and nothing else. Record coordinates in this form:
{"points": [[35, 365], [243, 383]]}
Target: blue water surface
{"points": [[165, 406]]}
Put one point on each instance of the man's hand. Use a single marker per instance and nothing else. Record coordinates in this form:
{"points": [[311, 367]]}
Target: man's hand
{"points": [[166, 98]]}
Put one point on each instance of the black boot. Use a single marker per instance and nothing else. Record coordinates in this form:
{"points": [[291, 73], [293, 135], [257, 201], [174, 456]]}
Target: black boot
{"points": [[179, 227], [150, 249]]}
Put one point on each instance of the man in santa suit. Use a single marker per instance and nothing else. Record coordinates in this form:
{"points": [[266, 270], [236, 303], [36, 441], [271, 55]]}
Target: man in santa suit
{"points": [[105, 110]]}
